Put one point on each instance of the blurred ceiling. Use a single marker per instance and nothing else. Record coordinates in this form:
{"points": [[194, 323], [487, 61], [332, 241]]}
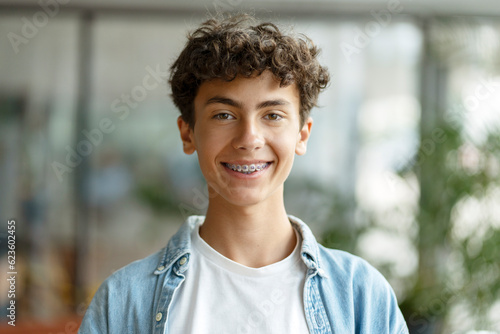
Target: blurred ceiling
{"points": [[412, 7]]}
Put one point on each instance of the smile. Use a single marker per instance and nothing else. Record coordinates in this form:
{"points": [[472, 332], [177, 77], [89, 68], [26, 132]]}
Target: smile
{"points": [[247, 169]]}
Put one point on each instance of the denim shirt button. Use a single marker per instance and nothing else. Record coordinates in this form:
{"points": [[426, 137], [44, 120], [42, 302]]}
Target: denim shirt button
{"points": [[160, 268], [183, 260], [159, 316]]}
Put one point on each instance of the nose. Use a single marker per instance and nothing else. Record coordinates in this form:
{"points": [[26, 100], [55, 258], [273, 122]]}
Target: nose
{"points": [[249, 136]]}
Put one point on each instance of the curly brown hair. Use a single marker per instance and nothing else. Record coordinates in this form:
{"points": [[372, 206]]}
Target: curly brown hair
{"points": [[230, 47]]}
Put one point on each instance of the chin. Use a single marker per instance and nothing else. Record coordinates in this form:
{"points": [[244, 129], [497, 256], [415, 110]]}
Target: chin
{"points": [[243, 200]]}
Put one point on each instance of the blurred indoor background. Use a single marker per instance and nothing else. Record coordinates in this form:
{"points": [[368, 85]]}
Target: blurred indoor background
{"points": [[402, 168]]}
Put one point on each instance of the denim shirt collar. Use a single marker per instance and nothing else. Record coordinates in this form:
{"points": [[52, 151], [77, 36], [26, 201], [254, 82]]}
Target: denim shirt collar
{"points": [[309, 249], [178, 249]]}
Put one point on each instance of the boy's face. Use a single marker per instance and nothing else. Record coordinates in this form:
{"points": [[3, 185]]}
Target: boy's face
{"points": [[246, 134]]}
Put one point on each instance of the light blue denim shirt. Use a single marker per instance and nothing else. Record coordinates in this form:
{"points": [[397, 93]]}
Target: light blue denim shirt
{"points": [[342, 293]]}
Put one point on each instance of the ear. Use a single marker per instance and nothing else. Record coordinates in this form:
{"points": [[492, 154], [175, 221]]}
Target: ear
{"points": [[303, 136], [187, 138]]}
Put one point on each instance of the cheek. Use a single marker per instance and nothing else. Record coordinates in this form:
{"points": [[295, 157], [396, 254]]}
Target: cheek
{"points": [[285, 148], [208, 145]]}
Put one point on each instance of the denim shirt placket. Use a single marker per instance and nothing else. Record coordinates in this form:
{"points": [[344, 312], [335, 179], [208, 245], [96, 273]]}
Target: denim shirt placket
{"points": [[314, 309], [170, 272], [169, 281]]}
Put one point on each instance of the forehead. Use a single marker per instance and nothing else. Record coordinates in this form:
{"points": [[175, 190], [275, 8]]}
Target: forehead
{"points": [[248, 91]]}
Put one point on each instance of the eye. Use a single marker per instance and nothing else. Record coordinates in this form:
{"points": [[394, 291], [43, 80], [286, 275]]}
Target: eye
{"points": [[223, 116], [274, 117]]}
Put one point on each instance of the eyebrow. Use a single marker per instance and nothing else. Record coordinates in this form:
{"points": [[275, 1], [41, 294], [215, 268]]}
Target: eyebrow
{"points": [[272, 103], [223, 100], [233, 103]]}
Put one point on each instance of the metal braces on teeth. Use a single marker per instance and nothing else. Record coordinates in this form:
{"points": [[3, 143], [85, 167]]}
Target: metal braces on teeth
{"points": [[247, 169]]}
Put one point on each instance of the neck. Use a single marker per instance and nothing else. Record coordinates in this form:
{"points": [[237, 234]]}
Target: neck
{"points": [[254, 236]]}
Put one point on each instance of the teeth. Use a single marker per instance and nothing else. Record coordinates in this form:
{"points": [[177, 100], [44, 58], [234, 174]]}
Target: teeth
{"points": [[247, 169]]}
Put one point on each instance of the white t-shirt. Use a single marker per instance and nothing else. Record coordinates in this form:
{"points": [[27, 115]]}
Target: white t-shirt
{"points": [[221, 296]]}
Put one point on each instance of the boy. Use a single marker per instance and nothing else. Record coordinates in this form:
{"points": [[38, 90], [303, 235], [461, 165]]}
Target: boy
{"points": [[245, 92]]}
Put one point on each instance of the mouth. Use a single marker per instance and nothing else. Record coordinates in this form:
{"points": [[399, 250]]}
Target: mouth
{"points": [[247, 169]]}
